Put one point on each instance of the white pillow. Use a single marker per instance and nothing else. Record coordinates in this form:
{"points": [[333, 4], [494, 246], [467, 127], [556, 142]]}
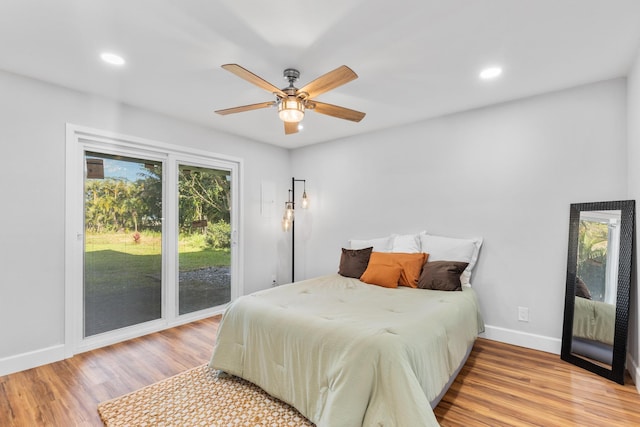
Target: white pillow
{"points": [[381, 244], [406, 243], [442, 248]]}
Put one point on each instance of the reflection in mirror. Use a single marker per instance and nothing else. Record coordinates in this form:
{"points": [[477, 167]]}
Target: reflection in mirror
{"points": [[596, 285], [596, 314]]}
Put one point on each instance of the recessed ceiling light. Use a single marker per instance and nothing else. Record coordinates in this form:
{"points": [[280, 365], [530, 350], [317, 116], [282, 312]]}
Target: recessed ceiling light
{"points": [[112, 58], [490, 73]]}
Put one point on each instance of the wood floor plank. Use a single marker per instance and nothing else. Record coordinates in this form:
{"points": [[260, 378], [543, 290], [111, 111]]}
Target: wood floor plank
{"points": [[67, 393], [514, 386], [501, 385]]}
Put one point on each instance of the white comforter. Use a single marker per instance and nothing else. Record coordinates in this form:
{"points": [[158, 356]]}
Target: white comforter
{"points": [[345, 353]]}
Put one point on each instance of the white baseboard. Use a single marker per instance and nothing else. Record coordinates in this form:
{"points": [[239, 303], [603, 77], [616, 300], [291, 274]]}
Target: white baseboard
{"points": [[547, 344], [634, 371], [32, 359], [522, 339]]}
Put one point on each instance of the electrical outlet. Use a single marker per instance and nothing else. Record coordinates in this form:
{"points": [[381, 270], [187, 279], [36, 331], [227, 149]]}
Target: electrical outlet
{"points": [[273, 280], [523, 314]]}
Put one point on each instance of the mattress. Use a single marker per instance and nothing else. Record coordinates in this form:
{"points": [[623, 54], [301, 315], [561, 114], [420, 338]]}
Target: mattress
{"points": [[345, 353], [594, 320]]}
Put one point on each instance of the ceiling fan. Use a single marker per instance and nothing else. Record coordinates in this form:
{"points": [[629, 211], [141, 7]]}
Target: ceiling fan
{"points": [[293, 102]]}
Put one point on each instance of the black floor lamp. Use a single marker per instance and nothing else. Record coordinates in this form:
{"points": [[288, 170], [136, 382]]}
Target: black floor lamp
{"points": [[288, 220]]}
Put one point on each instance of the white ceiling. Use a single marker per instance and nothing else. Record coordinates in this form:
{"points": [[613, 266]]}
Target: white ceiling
{"points": [[415, 59]]}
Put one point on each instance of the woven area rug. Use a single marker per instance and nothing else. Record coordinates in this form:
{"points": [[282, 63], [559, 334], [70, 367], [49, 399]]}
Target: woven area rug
{"points": [[199, 397]]}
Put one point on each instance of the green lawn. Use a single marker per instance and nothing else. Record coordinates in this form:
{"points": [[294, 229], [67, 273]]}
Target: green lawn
{"points": [[114, 261]]}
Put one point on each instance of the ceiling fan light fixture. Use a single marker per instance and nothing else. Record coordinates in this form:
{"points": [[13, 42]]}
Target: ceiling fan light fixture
{"points": [[291, 109], [293, 102]]}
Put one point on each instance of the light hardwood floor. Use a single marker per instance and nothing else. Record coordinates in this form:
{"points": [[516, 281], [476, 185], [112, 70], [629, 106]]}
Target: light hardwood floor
{"points": [[501, 385], [67, 393], [505, 385]]}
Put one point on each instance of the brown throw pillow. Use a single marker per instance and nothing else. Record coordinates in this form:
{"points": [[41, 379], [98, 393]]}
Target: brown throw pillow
{"points": [[582, 290], [353, 262], [442, 275]]}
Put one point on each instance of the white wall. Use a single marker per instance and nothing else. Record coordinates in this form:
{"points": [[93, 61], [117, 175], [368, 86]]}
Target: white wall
{"points": [[633, 137], [507, 173], [32, 189]]}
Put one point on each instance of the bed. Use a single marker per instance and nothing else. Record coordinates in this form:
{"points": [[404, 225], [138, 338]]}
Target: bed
{"points": [[593, 327], [348, 353]]}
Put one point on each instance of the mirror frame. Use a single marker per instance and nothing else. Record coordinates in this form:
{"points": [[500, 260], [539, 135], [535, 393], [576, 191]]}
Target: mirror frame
{"points": [[627, 210]]}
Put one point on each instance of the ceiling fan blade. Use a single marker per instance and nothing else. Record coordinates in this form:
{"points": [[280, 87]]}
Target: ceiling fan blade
{"points": [[331, 80], [290, 127], [243, 73], [339, 112], [245, 108]]}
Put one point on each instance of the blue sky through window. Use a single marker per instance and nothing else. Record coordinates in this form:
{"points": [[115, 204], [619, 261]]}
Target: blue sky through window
{"points": [[123, 169], [130, 170]]}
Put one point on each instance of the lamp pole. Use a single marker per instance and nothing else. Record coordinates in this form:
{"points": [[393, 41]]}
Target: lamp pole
{"points": [[293, 232], [293, 224]]}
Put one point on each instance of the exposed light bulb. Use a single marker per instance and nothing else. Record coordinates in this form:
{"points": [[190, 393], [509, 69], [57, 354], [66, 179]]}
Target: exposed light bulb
{"points": [[288, 211], [286, 224], [305, 201]]}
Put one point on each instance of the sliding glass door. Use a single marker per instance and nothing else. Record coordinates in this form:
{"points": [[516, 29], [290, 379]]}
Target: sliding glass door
{"points": [[204, 243], [123, 242], [151, 236]]}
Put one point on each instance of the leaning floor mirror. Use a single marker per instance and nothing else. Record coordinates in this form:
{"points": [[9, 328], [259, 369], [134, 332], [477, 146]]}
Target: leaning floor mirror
{"points": [[596, 309]]}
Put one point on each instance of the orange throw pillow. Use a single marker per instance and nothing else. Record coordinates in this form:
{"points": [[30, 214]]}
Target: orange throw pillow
{"points": [[410, 264], [382, 275]]}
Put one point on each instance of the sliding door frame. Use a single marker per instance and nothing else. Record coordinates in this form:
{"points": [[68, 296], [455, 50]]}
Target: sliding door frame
{"points": [[194, 161], [80, 139]]}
